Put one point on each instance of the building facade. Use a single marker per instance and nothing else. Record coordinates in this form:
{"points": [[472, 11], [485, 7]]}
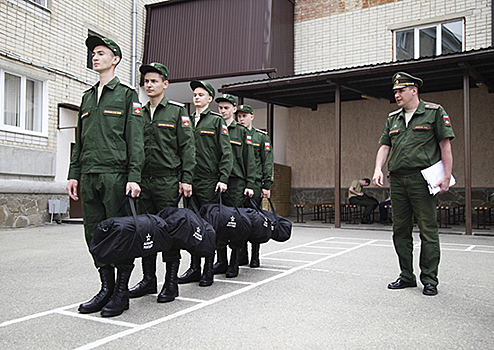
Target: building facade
{"points": [[44, 69]]}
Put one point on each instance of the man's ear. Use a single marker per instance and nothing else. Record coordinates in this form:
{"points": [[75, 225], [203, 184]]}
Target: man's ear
{"points": [[116, 60]]}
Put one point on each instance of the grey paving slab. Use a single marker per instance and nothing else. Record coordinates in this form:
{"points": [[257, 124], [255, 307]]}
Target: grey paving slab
{"points": [[323, 289]]}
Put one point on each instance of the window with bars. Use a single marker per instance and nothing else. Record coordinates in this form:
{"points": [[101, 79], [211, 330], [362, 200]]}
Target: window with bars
{"points": [[429, 40]]}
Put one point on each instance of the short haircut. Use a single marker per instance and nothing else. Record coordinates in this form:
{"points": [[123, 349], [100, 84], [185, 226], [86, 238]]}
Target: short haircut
{"points": [[367, 180]]}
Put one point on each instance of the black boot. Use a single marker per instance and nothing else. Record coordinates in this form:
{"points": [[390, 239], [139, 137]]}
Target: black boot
{"points": [[119, 301], [254, 260], [221, 262], [207, 277], [170, 288], [193, 274], [107, 277], [243, 258], [232, 270], [148, 284]]}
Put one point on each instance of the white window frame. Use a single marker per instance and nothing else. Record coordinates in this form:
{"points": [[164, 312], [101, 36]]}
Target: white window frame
{"points": [[22, 110], [439, 37]]}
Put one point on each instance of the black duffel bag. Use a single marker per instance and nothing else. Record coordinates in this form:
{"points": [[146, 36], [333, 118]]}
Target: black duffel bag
{"points": [[282, 227], [229, 223], [261, 226], [189, 230], [129, 237]]}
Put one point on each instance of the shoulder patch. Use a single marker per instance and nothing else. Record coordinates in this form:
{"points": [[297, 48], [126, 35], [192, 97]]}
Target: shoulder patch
{"points": [[136, 108], [432, 106], [176, 103], [185, 121], [224, 130], [395, 112], [267, 146], [446, 120]]}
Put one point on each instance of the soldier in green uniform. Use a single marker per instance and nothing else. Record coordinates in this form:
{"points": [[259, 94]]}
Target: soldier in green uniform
{"points": [[263, 155], [214, 163], [107, 160], [241, 181], [415, 137], [168, 170]]}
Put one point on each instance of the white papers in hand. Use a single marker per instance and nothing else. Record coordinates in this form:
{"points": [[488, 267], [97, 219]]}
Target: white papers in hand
{"points": [[433, 175]]}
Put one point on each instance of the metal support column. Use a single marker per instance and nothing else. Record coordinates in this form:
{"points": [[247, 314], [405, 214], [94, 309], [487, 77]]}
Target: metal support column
{"points": [[468, 152], [337, 157]]}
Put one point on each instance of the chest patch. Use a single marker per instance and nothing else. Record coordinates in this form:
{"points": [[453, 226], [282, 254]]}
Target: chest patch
{"points": [[236, 143], [84, 115], [249, 140], [421, 127], [167, 125], [207, 132], [394, 131], [107, 111]]}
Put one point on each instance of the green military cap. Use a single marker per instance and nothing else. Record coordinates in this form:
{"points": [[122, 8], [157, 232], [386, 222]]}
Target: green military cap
{"points": [[93, 41], [206, 86], [402, 79], [246, 109], [155, 67], [227, 98]]}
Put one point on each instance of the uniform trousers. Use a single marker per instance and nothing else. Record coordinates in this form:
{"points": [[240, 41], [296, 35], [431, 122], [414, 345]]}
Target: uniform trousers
{"points": [[410, 197], [158, 193], [101, 197]]}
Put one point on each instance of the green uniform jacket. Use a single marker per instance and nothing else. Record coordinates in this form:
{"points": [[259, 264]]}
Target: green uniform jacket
{"points": [[109, 134], [213, 151], [244, 166], [168, 141], [263, 155], [416, 147]]}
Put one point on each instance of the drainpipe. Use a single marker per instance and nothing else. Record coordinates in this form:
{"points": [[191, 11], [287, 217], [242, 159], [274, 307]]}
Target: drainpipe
{"points": [[134, 44]]}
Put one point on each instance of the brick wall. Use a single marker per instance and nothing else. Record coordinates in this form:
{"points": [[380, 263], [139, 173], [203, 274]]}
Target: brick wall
{"points": [[331, 34]]}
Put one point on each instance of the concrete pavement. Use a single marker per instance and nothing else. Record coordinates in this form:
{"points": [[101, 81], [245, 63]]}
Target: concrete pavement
{"points": [[323, 289]]}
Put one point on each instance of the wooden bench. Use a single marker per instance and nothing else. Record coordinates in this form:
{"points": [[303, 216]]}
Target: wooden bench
{"points": [[484, 216], [351, 213], [327, 210], [450, 215], [314, 208]]}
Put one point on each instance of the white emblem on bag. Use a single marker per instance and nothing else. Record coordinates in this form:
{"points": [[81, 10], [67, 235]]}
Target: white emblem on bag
{"points": [[197, 235], [149, 243], [232, 222]]}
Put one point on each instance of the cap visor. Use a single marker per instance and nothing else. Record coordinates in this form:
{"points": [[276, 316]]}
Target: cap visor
{"points": [[94, 41]]}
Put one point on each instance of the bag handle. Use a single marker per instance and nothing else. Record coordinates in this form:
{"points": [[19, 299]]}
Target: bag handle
{"points": [[272, 206], [128, 198], [231, 199], [256, 207]]}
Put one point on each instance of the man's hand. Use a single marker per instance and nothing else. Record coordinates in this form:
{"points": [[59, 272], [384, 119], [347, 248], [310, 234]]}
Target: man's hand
{"points": [[186, 189], [134, 187], [72, 189], [378, 178], [444, 184], [265, 193], [221, 186], [248, 192]]}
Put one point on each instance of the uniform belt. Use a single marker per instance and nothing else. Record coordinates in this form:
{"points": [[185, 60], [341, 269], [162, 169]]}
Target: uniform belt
{"points": [[414, 174], [161, 173]]}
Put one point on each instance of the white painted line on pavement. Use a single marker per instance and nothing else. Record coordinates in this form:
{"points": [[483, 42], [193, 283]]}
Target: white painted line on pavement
{"points": [[290, 260], [40, 314], [231, 281], [191, 299], [215, 300], [97, 319]]}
